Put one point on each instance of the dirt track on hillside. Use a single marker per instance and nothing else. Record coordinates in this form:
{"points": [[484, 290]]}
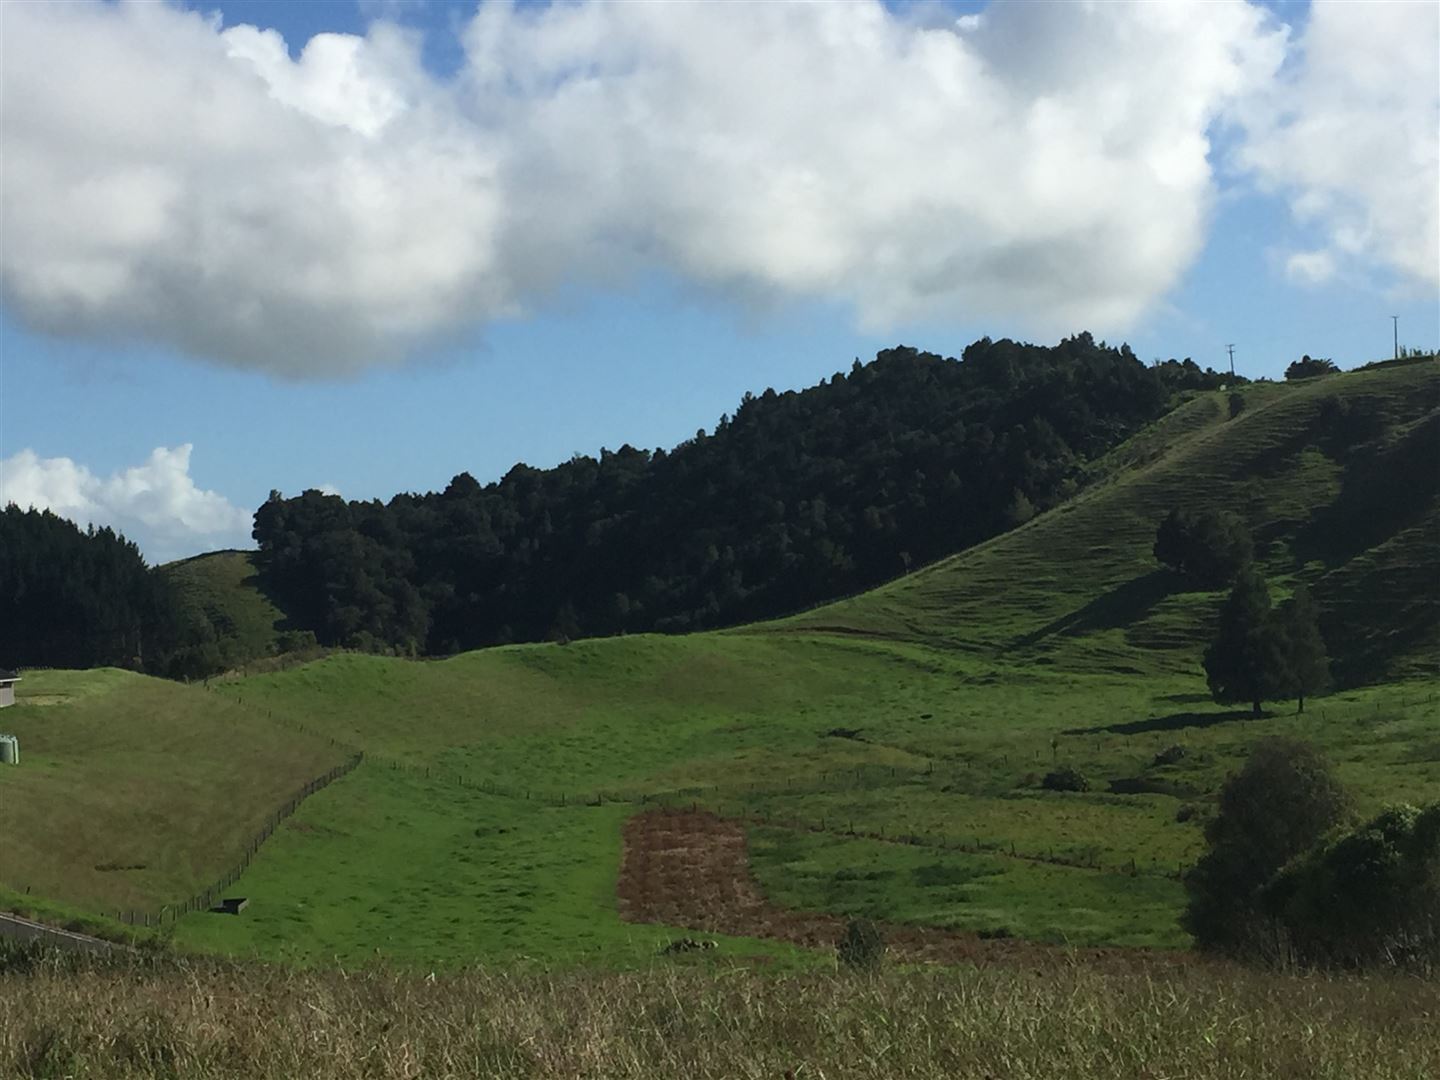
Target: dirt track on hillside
{"points": [[691, 869]]}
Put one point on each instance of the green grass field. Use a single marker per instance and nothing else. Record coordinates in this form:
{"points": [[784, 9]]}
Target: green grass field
{"points": [[928, 709], [134, 792]]}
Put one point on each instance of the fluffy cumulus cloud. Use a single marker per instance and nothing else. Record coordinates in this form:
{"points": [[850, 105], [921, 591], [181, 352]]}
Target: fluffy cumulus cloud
{"points": [[1351, 133], [173, 180], [156, 504]]}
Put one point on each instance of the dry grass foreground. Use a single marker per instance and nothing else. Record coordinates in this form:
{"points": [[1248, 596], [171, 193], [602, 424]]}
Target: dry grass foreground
{"points": [[68, 1016], [691, 869]]}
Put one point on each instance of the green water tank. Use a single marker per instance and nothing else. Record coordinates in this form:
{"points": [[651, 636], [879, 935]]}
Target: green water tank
{"points": [[9, 750]]}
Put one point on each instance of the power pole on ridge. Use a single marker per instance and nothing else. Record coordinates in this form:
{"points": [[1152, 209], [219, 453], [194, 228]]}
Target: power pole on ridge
{"points": [[1231, 350], [1395, 321]]}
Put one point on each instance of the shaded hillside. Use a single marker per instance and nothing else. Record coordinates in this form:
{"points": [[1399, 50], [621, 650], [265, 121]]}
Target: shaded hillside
{"points": [[226, 618], [1339, 479], [797, 498]]}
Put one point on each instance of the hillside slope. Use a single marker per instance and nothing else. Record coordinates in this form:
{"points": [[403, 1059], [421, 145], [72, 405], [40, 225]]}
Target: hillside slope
{"points": [[134, 792], [487, 819], [1338, 477]]}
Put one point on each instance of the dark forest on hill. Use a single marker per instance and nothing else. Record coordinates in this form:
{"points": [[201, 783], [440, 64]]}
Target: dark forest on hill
{"points": [[79, 598], [796, 498]]}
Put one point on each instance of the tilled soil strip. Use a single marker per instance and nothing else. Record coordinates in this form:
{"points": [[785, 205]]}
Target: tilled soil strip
{"points": [[691, 869]]}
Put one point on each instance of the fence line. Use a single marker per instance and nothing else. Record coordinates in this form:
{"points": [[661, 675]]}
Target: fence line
{"points": [[207, 897]]}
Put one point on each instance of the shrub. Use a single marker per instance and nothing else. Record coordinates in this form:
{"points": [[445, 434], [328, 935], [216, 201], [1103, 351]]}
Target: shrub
{"points": [[863, 946], [1279, 805], [1065, 778], [1370, 897], [1171, 755], [1209, 548]]}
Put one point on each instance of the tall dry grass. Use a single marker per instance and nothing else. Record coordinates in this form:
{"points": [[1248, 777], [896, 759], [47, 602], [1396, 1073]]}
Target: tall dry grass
{"points": [[79, 1017]]}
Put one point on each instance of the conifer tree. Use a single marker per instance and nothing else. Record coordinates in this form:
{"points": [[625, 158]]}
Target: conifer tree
{"points": [[1307, 664], [1246, 662]]}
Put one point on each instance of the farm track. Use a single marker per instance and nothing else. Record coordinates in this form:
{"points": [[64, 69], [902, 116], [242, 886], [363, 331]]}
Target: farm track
{"points": [[691, 869]]}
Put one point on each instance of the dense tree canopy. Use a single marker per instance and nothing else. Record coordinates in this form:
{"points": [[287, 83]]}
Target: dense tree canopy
{"points": [[73, 598], [795, 499]]}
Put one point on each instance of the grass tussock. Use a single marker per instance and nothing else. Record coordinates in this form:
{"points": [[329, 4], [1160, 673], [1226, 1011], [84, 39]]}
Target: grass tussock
{"points": [[83, 1017]]}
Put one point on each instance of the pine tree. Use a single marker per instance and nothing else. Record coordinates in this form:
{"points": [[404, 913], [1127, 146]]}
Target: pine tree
{"points": [[1307, 664], [1246, 662]]}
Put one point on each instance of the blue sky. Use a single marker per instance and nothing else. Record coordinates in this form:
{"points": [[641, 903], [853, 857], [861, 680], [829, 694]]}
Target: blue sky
{"points": [[602, 332]]}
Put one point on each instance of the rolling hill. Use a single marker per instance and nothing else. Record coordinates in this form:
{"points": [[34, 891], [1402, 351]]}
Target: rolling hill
{"points": [[879, 756]]}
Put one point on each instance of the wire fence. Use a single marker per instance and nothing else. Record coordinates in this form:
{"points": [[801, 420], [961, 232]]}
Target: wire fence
{"points": [[207, 897]]}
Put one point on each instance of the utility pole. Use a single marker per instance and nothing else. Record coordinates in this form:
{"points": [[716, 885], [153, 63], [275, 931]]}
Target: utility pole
{"points": [[1395, 320], [1231, 350]]}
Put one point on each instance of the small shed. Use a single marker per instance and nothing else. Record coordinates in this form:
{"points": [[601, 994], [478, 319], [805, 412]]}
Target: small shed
{"points": [[8, 679]]}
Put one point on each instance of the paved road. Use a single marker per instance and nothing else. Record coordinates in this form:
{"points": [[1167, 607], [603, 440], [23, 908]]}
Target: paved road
{"points": [[18, 929]]}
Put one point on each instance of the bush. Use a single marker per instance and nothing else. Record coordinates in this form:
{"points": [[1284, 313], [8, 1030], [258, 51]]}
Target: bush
{"points": [[1171, 755], [1370, 897], [1280, 804], [863, 946], [1065, 778], [1209, 548]]}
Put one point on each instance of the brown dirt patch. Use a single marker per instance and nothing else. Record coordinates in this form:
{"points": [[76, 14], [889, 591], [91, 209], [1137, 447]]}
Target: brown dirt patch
{"points": [[691, 869]]}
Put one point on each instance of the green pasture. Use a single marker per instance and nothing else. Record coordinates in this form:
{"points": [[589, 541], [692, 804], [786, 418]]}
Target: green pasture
{"points": [[931, 707], [134, 792], [985, 893], [422, 872]]}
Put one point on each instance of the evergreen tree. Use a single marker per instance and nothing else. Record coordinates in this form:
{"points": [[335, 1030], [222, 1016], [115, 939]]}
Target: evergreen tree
{"points": [[1246, 661], [1306, 663]]}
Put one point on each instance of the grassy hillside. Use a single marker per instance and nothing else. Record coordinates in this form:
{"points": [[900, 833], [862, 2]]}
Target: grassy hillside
{"points": [[1336, 476], [884, 752], [133, 792], [220, 591]]}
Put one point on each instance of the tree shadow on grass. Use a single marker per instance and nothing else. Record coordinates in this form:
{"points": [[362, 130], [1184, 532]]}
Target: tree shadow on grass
{"points": [[1120, 607], [1173, 722]]}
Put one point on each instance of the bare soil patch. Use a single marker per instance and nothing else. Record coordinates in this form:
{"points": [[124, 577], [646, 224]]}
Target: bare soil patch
{"points": [[691, 869]]}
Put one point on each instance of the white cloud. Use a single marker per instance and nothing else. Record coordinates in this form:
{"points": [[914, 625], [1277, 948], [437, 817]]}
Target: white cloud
{"points": [[155, 504], [1310, 267], [1352, 134], [174, 181]]}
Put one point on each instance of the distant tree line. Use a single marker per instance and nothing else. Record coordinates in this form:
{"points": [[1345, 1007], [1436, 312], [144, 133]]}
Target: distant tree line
{"points": [[797, 498], [79, 598]]}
